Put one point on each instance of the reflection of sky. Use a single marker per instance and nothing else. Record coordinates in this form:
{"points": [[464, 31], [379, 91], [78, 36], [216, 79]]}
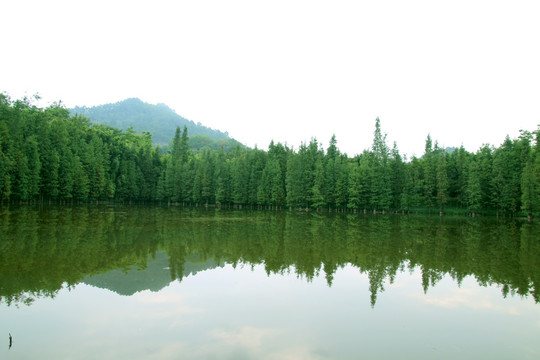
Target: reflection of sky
{"points": [[243, 314]]}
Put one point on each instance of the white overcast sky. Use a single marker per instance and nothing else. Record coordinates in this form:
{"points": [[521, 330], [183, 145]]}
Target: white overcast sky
{"points": [[468, 72]]}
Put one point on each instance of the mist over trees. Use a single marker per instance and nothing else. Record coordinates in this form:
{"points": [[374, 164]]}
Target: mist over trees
{"points": [[48, 155]]}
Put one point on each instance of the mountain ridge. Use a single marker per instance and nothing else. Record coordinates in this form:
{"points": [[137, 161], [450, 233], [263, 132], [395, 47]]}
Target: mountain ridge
{"points": [[159, 119]]}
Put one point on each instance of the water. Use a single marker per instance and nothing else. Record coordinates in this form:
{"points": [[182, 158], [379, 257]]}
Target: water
{"points": [[173, 283]]}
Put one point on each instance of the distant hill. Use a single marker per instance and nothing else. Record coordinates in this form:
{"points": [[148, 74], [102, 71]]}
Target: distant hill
{"points": [[160, 120], [154, 277]]}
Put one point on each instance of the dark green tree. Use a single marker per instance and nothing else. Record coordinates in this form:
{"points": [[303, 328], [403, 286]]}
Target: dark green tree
{"points": [[530, 199], [381, 190], [474, 189], [442, 182]]}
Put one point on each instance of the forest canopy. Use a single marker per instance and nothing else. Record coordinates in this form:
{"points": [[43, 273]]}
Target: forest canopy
{"points": [[49, 155]]}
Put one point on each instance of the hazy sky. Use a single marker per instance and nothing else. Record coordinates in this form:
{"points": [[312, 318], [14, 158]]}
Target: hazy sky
{"points": [[468, 72]]}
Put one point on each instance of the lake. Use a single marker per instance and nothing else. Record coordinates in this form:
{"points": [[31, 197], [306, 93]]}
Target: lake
{"points": [[139, 282]]}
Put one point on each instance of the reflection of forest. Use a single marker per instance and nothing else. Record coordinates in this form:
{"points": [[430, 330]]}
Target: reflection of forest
{"points": [[43, 248]]}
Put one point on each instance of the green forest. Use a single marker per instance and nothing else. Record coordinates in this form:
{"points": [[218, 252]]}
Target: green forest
{"points": [[50, 156]]}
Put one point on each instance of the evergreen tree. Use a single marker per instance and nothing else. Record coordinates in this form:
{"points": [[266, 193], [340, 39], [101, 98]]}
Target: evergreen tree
{"points": [[397, 178], [317, 199], [442, 182], [415, 190], [271, 190], [295, 187], [504, 177], [474, 189], [80, 183], [355, 189], [530, 198], [310, 156], [381, 191], [96, 168], [484, 159], [277, 163], [256, 163], [240, 177], [203, 182], [223, 180], [429, 161], [360, 178], [461, 176], [342, 182], [332, 162]]}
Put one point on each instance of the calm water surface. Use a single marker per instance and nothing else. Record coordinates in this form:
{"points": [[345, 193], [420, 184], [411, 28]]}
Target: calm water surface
{"points": [[172, 283]]}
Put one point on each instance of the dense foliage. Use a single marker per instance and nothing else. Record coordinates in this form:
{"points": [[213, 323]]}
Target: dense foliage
{"points": [[49, 155]]}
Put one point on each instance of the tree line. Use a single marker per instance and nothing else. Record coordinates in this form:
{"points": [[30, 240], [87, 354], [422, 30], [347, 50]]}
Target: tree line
{"points": [[48, 155]]}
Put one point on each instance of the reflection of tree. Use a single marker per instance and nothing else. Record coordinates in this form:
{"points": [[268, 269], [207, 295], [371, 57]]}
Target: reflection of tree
{"points": [[42, 249]]}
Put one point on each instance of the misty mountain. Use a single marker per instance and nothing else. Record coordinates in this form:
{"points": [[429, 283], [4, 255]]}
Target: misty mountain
{"points": [[160, 120], [154, 276]]}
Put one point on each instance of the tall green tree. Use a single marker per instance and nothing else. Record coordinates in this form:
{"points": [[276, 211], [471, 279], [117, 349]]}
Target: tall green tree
{"points": [[398, 178], [342, 182], [331, 170], [317, 199], [429, 161], [474, 189], [506, 178], [96, 168], [484, 159], [358, 188], [530, 197], [442, 182], [30, 170], [223, 180], [381, 191]]}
